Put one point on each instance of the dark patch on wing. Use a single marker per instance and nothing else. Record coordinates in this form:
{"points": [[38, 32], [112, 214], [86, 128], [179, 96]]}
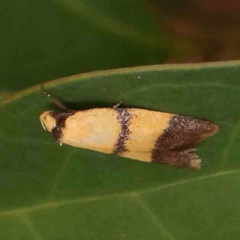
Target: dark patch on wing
{"points": [[184, 132], [123, 117], [60, 123], [55, 114]]}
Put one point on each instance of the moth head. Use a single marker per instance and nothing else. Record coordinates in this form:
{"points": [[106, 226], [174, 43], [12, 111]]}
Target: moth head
{"points": [[48, 120]]}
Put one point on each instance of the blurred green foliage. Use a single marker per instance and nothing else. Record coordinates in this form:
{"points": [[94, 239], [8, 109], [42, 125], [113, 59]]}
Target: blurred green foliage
{"points": [[44, 40]]}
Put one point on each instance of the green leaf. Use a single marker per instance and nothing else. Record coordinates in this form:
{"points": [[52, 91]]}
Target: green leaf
{"points": [[43, 40], [3, 95], [52, 192]]}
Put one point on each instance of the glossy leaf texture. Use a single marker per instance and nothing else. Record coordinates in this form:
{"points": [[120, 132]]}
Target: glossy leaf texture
{"points": [[51, 192]]}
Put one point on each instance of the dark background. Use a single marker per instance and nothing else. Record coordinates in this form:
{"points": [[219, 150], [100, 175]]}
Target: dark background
{"points": [[48, 39]]}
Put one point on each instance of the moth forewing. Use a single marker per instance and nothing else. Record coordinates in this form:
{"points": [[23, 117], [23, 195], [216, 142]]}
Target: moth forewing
{"points": [[140, 134]]}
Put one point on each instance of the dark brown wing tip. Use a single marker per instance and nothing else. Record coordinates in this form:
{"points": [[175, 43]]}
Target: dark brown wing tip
{"points": [[216, 128], [212, 129]]}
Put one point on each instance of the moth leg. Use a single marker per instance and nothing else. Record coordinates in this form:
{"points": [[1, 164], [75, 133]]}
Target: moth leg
{"points": [[186, 159], [55, 100], [118, 104]]}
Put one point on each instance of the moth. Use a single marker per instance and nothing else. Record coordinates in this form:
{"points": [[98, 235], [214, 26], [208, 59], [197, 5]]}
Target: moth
{"points": [[133, 133]]}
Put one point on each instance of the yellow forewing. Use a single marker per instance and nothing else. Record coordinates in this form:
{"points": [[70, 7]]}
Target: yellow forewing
{"points": [[93, 129], [145, 128]]}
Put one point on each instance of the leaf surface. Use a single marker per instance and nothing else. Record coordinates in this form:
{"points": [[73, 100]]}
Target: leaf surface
{"points": [[52, 192]]}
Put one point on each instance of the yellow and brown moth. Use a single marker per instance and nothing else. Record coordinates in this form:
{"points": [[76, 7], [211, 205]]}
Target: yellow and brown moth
{"points": [[139, 134]]}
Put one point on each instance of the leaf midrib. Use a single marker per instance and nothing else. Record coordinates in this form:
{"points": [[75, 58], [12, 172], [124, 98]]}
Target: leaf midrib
{"points": [[55, 204]]}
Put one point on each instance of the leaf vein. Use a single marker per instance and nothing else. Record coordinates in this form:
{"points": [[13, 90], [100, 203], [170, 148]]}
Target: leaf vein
{"points": [[28, 223], [155, 220], [59, 175], [56, 204]]}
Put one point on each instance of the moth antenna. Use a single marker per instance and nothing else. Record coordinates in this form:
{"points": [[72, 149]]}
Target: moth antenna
{"points": [[118, 104], [55, 100]]}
